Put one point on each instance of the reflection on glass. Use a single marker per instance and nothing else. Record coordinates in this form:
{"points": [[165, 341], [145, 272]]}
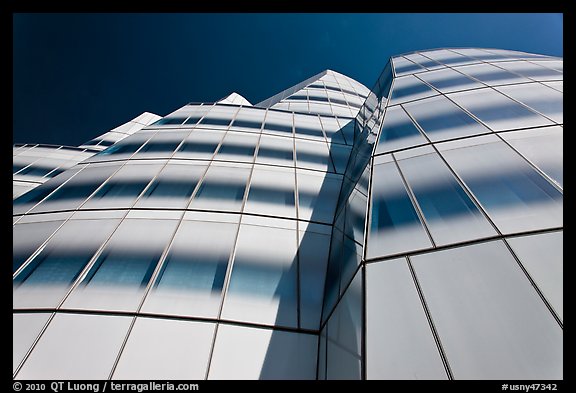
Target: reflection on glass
{"points": [[198, 147], [121, 148], [159, 147], [120, 189]]}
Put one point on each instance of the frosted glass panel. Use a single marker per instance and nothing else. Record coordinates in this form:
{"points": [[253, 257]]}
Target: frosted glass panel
{"points": [[399, 340], [250, 353], [191, 279], [25, 329], [173, 350], [491, 322], [263, 282], [542, 256], [76, 347]]}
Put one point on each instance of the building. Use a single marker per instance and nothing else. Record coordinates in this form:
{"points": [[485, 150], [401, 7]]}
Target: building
{"points": [[410, 231]]}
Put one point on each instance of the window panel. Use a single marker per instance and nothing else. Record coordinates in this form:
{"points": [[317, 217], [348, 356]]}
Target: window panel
{"points": [[450, 214], [441, 119], [313, 257], [544, 100], [272, 192], [275, 150], [191, 279], [490, 320], [72, 194], [332, 130], [25, 329], [398, 132], [26, 238], [279, 123], [317, 196], [345, 335], [47, 278], [448, 57], [532, 70], [313, 155], [201, 144], [543, 147], [447, 80], [542, 256], [409, 88], [394, 223], [403, 66], [26, 201], [515, 196], [340, 155], [122, 189], [237, 147], [498, 111], [491, 75], [173, 187], [397, 327], [222, 188], [424, 61], [77, 347], [161, 145], [118, 277], [308, 127], [252, 353], [262, 285], [174, 350]]}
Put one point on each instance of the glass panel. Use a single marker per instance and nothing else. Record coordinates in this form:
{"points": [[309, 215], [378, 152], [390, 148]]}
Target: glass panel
{"points": [[275, 150], [542, 256], [173, 187], [122, 189], [409, 88], [26, 201], [76, 190], [47, 278], [308, 127], [543, 147], [169, 121], [120, 274], [313, 155], [174, 350], [200, 144], [398, 132], [424, 61], [394, 224], [317, 196], [237, 147], [25, 329], [272, 192], [532, 70], [332, 130], [397, 327], [340, 155], [278, 123], [403, 66], [441, 119], [76, 347], [262, 286], [498, 111], [447, 80], [491, 75], [491, 322], [448, 57], [547, 101], [515, 196], [251, 353], [191, 278], [222, 188], [313, 256], [322, 356], [26, 238], [345, 334], [450, 214]]}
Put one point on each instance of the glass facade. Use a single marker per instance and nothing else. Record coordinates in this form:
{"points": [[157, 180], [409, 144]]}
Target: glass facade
{"points": [[408, 231]]}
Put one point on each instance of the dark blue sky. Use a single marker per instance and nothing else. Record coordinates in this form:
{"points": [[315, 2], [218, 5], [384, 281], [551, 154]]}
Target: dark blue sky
{"points": [[77, 76]]}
